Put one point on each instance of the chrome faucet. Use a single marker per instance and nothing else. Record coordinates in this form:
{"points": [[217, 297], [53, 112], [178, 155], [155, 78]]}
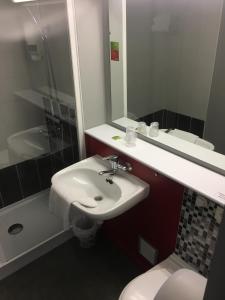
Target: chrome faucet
{"points": [[115, 166], [114, 160]]}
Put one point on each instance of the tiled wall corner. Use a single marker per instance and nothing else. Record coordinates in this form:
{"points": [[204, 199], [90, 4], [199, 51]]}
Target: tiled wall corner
{"points": [[198, 230], [169, 119]]}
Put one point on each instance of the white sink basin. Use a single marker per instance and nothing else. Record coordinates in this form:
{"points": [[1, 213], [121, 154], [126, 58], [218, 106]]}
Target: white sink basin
{"points": [[81, 185]]}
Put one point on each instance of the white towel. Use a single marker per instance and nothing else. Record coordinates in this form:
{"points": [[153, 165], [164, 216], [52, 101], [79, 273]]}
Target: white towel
{"points": [[205, 144], [59, 207], [59, 203], [187, 136]]}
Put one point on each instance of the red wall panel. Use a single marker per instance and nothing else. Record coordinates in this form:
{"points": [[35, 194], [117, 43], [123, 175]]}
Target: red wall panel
{"points": [[155, 219]]}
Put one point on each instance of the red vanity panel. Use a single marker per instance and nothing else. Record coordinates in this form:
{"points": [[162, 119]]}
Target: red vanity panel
{"points": [[155, 219]]}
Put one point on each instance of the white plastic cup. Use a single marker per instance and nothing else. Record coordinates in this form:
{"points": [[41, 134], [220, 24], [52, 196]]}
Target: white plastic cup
{"points": [[154, 129], [142, 128], [131, 136]]}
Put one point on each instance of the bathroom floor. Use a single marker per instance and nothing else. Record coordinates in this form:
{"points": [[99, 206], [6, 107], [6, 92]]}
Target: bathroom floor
{"points": [[69, 272]]}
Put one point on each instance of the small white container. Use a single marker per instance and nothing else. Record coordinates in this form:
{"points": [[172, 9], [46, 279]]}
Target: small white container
{"points": [[142, 128], [154, 129], [85, 230], [131, 136]]}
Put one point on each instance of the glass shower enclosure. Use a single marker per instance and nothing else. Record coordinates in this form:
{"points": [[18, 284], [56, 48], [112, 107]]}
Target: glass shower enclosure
{"points": [[38, 131], [37, 99]]}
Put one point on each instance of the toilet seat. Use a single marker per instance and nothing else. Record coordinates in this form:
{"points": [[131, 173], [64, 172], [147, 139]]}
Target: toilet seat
{"points": [[145, 286]]}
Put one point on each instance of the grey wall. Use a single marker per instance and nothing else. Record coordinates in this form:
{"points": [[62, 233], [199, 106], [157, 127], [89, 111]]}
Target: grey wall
{"points": [[215, 123], [141, 85], [171, 55], [90, 24], [53, 20]]}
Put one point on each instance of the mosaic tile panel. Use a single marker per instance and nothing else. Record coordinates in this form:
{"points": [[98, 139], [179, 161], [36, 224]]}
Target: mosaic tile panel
{"points": [[198, 230]]}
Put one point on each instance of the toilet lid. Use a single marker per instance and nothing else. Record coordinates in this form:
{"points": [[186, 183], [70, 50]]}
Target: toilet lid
{"points": [[145, 286], [184, 284]]}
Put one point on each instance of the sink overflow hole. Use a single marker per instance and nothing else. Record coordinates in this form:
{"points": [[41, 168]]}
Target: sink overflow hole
{"points": [[98, 198], [15, 229]]}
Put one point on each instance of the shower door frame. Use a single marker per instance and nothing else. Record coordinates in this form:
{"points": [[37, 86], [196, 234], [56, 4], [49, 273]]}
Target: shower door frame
{"points": [[73, 34]]}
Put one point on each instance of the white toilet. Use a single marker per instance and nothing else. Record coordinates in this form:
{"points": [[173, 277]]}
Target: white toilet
{"points": [[172, 279]]}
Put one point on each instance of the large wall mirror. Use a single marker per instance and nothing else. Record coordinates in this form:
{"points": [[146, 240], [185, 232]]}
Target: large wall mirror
{"points": [[168, 66]]}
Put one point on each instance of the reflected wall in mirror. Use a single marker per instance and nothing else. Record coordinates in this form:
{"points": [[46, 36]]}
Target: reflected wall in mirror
{"points": [[171, 70], [37, 102]]}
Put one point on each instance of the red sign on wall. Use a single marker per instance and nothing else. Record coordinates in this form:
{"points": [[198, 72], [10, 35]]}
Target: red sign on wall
{"points": [[115, 55]]}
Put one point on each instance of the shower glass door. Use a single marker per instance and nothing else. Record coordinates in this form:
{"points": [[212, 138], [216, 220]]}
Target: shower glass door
{"points": [[38, 133]]}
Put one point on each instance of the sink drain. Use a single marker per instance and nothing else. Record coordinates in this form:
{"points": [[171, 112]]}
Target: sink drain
{"points": [[98, 198], [15, 229]]}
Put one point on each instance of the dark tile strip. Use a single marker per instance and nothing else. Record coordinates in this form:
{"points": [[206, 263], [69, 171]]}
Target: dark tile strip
{"points": [[158, 117], [44, 167], [164, 118], [9, 185], [1, 201], [32, 176], [76, 155], [57, 162], [169, 119], [38, 173], [197, 127], [29, 177], [68, 156], [19, 180], [183, 122]]}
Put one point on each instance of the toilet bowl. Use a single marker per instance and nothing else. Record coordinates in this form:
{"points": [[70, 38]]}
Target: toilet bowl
{"points": [[170, 280]]}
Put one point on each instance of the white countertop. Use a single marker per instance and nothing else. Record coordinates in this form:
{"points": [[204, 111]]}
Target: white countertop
{"points": [[211, 157], [187, 173]]}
